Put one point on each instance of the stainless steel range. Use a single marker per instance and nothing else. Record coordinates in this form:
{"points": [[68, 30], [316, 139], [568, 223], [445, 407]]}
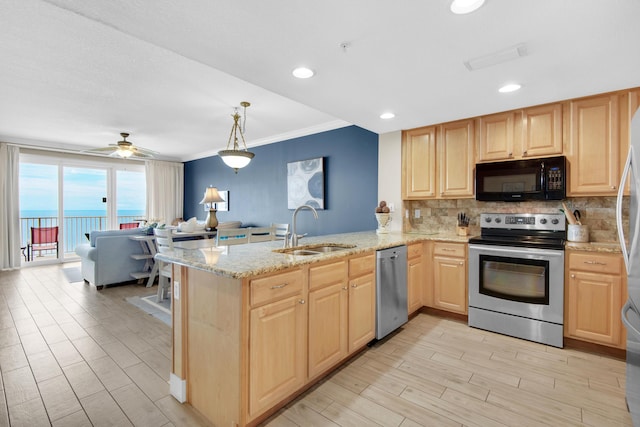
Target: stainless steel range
{"points": [[516, 276]]}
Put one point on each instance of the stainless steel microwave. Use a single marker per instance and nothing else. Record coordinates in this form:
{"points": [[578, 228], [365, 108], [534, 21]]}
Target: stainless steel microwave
{"points": [[518, 180]]}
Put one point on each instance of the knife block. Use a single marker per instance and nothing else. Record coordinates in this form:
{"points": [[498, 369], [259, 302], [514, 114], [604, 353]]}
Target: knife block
{"points": [[462, 231]]}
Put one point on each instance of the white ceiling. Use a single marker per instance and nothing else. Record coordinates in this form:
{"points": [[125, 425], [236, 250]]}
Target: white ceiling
{"points": [[75, 74]]}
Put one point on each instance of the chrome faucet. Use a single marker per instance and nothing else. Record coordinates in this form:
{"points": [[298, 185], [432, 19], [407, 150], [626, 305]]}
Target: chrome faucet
{"points": [[294, 232]]}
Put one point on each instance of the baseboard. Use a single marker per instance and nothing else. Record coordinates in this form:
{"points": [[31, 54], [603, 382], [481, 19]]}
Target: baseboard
{"points": [[178, 388]]}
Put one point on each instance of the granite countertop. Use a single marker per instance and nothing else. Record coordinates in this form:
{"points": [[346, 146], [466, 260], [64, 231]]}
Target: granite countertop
{"points": [[604, 247], [241, 261]]}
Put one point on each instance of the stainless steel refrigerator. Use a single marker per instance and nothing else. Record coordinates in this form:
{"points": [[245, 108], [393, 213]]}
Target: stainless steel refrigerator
{"points": [[631, 253]]}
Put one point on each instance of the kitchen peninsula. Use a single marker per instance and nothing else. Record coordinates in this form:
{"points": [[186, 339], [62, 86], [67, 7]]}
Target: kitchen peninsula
{"points": [[253, 327]]}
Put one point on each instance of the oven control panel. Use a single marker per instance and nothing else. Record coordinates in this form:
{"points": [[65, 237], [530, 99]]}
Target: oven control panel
{"points": [[539, 221]]}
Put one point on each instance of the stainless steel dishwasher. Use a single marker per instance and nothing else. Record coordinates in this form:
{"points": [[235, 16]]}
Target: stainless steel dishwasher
{"points": [[391, 286]]}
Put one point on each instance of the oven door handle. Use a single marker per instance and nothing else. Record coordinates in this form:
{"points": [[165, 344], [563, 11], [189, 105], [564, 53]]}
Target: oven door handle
{"points": [[510, 251]]}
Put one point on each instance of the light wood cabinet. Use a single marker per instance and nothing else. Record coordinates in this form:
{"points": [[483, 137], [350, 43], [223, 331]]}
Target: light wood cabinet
{"points": [[595, 290], [450, 277], [592, 132], [456, 159], [513, 135], [415, 276], [342, 298], [328, 316], [542, 131], [277, 340], [438, 162], [497, 136], [630, 101], [362, 301], [419, 163]]}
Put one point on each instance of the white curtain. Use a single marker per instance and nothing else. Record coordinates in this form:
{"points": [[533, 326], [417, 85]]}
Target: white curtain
{"points": [[9, 207], [165, 190]]}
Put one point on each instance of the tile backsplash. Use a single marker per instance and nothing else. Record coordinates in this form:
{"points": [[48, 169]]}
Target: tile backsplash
{"points": [[598, 213]]}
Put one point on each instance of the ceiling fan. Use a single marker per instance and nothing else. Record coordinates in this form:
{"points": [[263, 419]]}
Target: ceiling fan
{"points": [[124, 149]]}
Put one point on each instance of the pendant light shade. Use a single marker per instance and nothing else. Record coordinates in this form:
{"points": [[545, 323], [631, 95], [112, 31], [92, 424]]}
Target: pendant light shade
{"points": [[237, 157]]}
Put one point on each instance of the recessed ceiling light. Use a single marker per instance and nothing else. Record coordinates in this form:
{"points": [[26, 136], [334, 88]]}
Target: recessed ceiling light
{"points": [[511, 87], [387, 116], [303, 72], [460, 7]]}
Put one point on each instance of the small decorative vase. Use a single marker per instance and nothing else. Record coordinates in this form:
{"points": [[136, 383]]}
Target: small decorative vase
{"points": [[384, 219]]}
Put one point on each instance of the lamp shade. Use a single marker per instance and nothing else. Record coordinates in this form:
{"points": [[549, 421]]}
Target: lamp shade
{"points": [[211, 195]]}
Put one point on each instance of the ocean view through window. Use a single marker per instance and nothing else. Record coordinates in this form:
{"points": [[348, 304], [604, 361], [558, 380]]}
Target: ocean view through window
{"points": [[90, 195]]}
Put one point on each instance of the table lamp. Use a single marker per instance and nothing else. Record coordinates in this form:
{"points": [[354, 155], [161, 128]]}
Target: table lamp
{"points": [[211, 196]]}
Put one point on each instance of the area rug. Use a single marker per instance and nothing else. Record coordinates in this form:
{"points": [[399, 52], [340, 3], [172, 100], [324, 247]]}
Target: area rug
{"points": [[73, 274], [148, 304]]}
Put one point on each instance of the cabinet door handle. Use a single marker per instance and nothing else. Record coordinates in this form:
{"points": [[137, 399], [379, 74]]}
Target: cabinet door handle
{"points": [[573, 276], [461, 263], [613, 187], [354, 285], [448, 250], [510, 154], [524, 153], [345, 288], [301, 301], [279, 286], [595, 263]]}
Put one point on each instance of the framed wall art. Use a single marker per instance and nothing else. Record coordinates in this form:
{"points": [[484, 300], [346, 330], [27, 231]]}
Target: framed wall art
{"points": [[305, 183], [223, 206]]}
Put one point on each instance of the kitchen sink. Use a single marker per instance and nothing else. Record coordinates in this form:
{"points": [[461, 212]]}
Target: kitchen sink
{"points": [[316, 249]]}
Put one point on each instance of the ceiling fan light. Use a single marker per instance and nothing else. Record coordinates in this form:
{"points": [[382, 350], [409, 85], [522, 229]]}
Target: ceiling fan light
{"points": [[461, 7], [124, 153]]}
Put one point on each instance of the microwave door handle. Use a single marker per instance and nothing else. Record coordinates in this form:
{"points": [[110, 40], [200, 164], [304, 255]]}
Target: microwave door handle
{"points": [[630, 328], [543, 179]]}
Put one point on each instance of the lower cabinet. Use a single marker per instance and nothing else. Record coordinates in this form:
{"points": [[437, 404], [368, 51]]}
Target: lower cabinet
{"points": [[415, 276], [362, 311], [450, 277], [277, 339], [328, 316], [305, 321], [595, 291]]}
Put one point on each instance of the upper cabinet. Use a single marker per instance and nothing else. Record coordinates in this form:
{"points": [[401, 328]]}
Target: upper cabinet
{"points": [[532, 132], [542, 131], [455, 143], [592, 133], [452, 144], [419, 163], [497, 136]]}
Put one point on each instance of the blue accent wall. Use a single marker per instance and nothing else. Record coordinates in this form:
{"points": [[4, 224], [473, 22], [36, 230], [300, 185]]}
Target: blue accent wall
{"points": [[258, 193]]}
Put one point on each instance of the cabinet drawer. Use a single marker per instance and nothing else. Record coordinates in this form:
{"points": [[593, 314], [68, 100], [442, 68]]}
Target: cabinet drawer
{"points": [[611, 264], [414, 250], [328, 274], [361, 265], [450, 249], [275, 287]]}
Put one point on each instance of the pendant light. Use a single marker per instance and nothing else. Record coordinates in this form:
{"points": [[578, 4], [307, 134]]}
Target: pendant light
{"points": [[236, 157]]}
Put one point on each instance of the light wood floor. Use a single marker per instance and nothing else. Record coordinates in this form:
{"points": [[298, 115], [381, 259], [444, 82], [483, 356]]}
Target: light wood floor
{"points": [[70, 355]]}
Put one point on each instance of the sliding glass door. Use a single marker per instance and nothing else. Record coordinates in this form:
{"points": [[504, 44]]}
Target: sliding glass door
{"points": [[84, 201], [76, 196]]}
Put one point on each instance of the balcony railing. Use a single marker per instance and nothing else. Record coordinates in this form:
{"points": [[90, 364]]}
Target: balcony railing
{"points": [[74, 230]]}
